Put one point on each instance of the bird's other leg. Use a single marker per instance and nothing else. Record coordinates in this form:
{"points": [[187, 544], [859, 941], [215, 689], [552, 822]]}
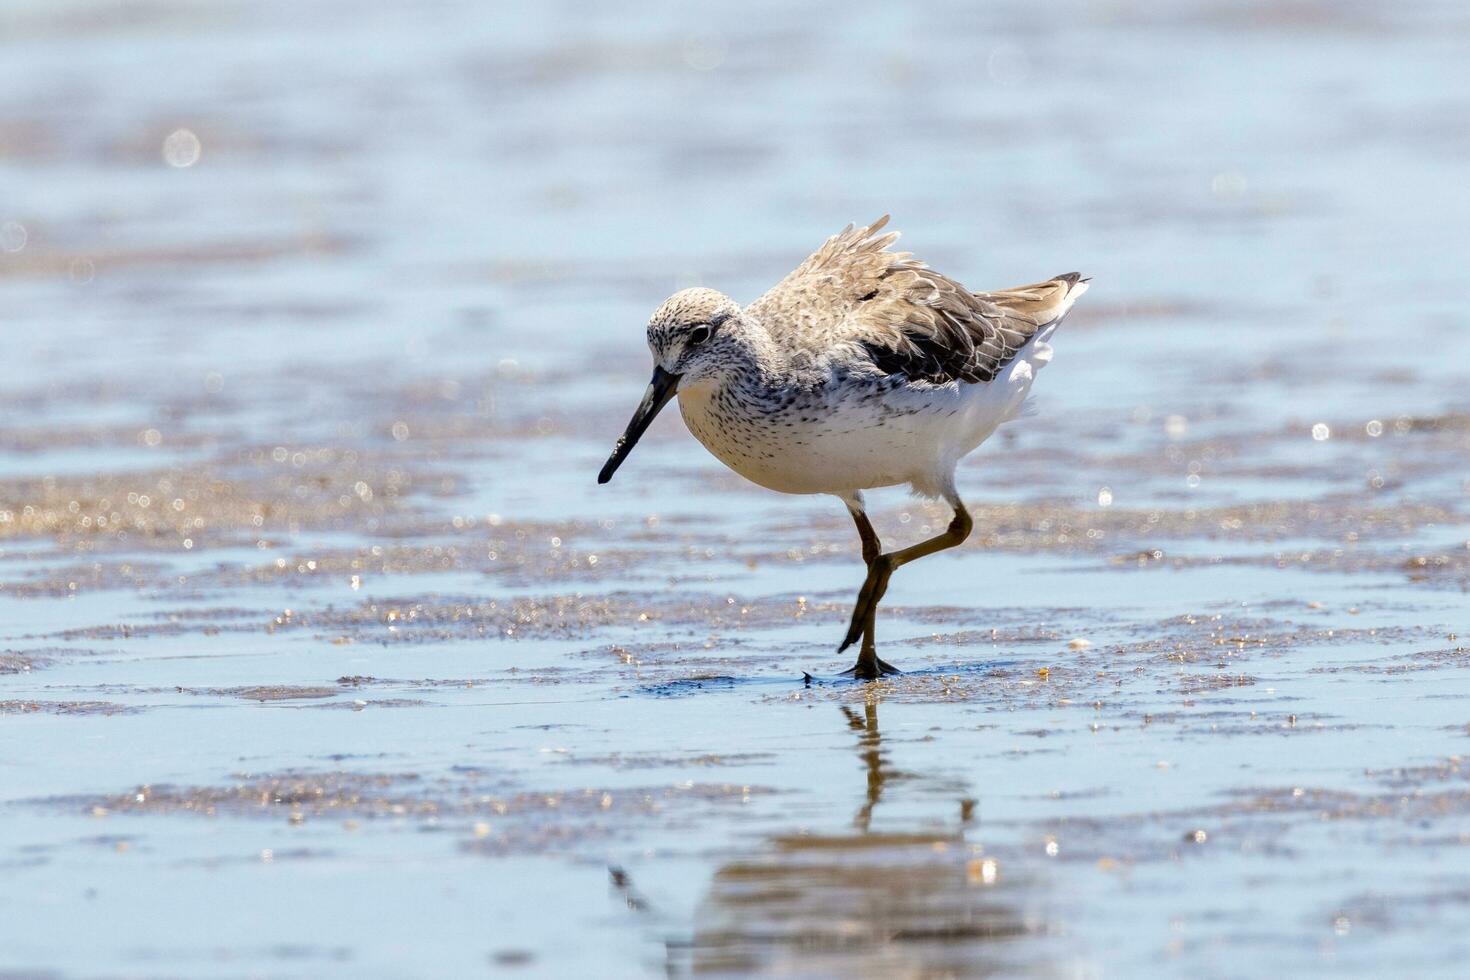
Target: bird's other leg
{"points": [[869, 665], [872, 547], [864, 613]]}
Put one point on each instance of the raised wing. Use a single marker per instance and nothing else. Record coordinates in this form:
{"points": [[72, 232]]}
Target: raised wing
{"points": [[908, 318]]}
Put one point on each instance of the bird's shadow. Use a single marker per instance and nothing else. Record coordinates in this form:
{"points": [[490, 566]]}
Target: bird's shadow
{"points": [[969, 668], [683, 687]]}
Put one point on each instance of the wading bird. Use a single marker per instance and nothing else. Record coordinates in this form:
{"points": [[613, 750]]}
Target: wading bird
{"points": [[863, 368]]}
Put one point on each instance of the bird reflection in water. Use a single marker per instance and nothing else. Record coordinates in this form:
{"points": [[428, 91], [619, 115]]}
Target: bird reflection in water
{"points": [[919, 902], [875, 759]]}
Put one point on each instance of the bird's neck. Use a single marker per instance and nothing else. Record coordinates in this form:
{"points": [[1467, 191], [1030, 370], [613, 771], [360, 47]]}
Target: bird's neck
{"points": [[759, 365], [767, 361]]}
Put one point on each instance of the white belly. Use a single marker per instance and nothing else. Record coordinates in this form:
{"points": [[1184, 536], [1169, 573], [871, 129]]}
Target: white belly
{"points": [[842, 438]]}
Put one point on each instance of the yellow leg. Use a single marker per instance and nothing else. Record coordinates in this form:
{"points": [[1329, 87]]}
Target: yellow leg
{"points": [[880, 569]]}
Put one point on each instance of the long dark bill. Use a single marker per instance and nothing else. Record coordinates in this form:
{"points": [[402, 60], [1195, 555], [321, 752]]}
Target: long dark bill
{"points": [[660, 390]]}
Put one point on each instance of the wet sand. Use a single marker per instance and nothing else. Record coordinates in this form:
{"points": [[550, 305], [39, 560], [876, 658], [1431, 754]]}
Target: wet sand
{"points": [[322, 652]]}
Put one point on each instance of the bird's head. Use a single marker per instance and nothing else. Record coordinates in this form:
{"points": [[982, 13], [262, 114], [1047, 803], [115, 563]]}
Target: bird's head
{"points": [[690, 335], [693, 337]]}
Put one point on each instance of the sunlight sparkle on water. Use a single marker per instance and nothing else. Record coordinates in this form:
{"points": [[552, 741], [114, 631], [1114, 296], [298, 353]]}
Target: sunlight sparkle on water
{"points": [[13, 236], [1229, 184], [983, 871], [181, 148], [704, 52]]}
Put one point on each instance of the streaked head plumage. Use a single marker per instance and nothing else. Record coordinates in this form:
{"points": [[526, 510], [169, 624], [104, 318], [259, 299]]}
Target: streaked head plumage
{"points": [[688, 327]]}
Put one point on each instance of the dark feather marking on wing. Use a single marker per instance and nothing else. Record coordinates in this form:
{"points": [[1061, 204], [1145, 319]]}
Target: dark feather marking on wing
{"points": [[922, 360], [925, 357], [976, 342]]}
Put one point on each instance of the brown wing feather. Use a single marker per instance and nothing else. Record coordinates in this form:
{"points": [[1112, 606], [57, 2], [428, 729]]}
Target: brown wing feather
{"points": [[910, 319], [970, 336], [833, 279]]}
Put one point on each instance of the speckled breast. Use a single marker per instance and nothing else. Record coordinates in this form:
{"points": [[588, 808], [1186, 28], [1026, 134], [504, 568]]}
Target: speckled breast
{"points": [[815, 440]]}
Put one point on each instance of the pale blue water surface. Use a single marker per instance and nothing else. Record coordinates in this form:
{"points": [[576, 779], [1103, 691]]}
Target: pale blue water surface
{"points": [[1193, 701]]}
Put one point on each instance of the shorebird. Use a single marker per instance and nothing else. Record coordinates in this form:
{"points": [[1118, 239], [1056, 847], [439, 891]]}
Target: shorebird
{"points": [[863, 368]]}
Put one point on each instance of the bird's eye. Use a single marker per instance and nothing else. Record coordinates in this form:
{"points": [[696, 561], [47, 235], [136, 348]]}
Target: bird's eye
{"points": [[699, 334]]}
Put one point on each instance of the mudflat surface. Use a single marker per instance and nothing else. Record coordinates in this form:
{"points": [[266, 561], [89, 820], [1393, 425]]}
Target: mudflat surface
{"points": [[322, 652]]}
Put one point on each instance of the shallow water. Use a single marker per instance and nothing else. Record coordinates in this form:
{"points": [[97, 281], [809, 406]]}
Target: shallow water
{"points": [[323, 653]]}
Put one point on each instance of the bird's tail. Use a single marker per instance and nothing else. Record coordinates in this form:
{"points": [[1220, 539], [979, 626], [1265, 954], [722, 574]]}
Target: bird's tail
{"points": [[1042, 303], [1035, 311]]}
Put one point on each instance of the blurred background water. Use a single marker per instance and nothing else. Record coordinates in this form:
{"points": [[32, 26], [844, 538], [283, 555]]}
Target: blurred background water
{"points": [[233, 229]]}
